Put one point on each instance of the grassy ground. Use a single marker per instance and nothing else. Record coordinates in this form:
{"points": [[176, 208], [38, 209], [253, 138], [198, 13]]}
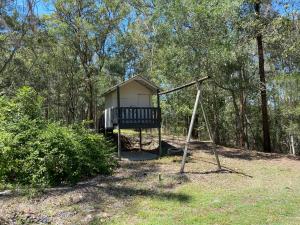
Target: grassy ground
{"points": [[253, 188], [268, 195]]}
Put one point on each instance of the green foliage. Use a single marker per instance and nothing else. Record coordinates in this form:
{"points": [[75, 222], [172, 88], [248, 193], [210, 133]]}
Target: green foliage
{"points": [[35, 152], [74, 52]]}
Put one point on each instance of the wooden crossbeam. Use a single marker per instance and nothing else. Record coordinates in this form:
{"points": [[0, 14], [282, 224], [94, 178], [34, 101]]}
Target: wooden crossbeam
{"points": [[184, 86]]}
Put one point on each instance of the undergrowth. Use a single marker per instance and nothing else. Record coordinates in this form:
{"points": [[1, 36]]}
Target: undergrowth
{"points": [[40, 153]]}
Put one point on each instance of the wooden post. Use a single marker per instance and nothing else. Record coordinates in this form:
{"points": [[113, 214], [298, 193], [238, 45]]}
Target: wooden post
{"points": [[292, 145], [140, 139], [214, 149], [119, 130], [119, 143], [190, 129], [159, 142], [159, 126]]}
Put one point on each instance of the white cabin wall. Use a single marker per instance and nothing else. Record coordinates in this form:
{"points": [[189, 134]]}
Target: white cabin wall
{"points": [[134, 94], [111, 100]]}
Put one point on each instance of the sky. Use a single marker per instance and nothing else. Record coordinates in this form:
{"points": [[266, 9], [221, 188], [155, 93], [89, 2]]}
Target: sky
{"points": [[44, 7]]}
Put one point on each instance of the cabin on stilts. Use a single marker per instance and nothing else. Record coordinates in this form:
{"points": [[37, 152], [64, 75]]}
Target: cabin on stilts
{"points": [[129, 105]]}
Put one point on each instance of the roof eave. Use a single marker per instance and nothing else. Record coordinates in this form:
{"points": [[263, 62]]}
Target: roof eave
{"points": [[154, 86]]}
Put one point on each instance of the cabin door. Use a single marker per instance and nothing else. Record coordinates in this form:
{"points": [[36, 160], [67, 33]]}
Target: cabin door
{"points": [[143, 100]]}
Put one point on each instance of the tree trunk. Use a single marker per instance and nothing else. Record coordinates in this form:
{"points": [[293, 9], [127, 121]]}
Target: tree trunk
{"points": [[243, 125], [242, 119], [263, 92], [195, 128], [243, 105], [237, 121], [216, 117], [91, 105]]}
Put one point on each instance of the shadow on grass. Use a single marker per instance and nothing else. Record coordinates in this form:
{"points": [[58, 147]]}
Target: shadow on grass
{"points": [[235, 153], [139, 172], [96, 190], [226, 170], [124, 192]]}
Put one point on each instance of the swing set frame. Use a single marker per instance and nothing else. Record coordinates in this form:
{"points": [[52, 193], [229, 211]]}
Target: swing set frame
{"points": [[198, 102]]}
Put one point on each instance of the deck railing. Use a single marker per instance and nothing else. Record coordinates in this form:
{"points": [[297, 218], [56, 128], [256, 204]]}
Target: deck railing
{"points": [[136, 117]]}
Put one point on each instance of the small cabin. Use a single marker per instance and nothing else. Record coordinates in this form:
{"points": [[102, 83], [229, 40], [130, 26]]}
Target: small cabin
{"points": [[130, 105]]}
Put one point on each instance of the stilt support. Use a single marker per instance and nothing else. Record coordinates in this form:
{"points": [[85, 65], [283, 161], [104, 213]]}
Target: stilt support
{"points": [[159, 142], [159, 129], [119, 143], [140, 139]]}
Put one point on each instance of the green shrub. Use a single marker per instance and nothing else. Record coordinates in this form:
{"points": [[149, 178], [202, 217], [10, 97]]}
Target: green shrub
{"points": [[35, 152]]}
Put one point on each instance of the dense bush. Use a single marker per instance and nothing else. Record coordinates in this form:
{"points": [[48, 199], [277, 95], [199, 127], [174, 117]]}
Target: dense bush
{"points": [[36, 152]]}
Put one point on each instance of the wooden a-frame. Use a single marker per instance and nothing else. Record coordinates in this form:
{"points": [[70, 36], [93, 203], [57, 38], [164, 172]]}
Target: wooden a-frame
{"points": [[197, 102]]}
